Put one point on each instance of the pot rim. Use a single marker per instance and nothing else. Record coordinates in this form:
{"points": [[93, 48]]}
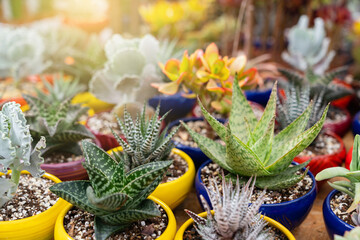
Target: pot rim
{"points": [[169, 228], [183, 155], [59, 202], [327, 202], [313, 188], [272, 222]]}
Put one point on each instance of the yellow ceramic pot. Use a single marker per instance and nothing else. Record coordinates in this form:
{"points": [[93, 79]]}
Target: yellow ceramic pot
{"points": [[38, 227], [168, 234], [272, 222], [174, 192], [91, 101]]}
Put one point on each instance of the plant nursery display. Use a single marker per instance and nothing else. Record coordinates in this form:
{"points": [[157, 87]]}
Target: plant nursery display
{"points": [[181, 119], [24, 198]]}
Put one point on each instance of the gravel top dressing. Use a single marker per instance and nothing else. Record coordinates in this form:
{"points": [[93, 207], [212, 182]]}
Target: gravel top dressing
{"points": [[178, 168], [335, 115], [61, 157], [103, 123], [80, 226], [323, 145], [213, 171], [32, 197], [339, 204]]}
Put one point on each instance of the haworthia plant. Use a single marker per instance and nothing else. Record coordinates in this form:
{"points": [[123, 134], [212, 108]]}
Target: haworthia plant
{"points": [[351, 187], [144, 142], [354, 234], [234, 217], [251, 147], [295, 102], [58, 122], [15, 150], [61, 89], [116, 198]]}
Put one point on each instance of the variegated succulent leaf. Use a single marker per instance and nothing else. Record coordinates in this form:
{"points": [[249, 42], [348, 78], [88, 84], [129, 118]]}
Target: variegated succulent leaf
{"points": [[354, 234], [234, 217], [110, 203], [104, 230], [144, 143]]}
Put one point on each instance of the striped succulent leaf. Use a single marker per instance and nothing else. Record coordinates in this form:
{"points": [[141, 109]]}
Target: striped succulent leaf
{"points": [[352, 186], [117, 198], [258, 152], [234, 217], [144, 142], [57, 122]]}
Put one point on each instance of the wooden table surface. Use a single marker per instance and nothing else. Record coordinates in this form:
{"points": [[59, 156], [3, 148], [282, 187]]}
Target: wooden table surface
{"points": [[312, 228]]}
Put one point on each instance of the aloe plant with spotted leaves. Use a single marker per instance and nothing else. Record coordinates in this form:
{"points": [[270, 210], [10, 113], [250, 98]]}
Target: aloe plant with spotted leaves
{"points": [[251, 149], [116, 198], [58, 122], [15, 150], [144, 142], [351, 187]]}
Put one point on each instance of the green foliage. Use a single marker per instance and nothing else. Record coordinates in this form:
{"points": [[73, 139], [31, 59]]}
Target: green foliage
{"points": [[234, 217], [61, 89], [251, 147], [295, 102], [351, 187], [319, 83], [58, 122], [116, 198], [144, 143], [15, 150]]}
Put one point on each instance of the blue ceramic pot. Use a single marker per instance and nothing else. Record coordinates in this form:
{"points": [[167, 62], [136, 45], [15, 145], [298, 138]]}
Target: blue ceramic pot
{"points": [[290, 214], [356, 124], [178, 105], [196, 154], [258, 96], [334, 225]]}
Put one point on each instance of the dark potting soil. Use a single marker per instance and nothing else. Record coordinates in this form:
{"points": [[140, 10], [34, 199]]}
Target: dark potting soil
{"points": [[191, 233], [103, 123], [80, 225], [339, 204], [335, 115], [323, 145], [61, 157], [178, 168], [32, 197], [182, 136], [213, 171]]}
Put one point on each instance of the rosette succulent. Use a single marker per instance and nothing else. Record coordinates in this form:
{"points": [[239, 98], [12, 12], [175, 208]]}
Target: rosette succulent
{"points": [[58, 122], [15, 150], [251, 149], [234, 217], [116, 198], [308, 47], [21, 52], [352, 186], [130, 68]]}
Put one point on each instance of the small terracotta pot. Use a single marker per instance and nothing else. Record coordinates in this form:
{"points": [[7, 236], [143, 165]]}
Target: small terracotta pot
{"points": [[341, 127], [319, 163]]}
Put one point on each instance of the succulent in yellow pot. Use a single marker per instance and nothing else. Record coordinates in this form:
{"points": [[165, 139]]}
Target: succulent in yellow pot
{"points": [[18, 155], [144, 143], [114, 201]]}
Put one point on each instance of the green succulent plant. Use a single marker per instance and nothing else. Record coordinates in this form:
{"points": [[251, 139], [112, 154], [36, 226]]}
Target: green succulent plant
{"points": [[144, 142], [57, 122], [295, 102], [319, 83], [354, 234], [116, 198], [61, 89], [234, 217], [251, 149], [15, 150], [351, 187]]}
